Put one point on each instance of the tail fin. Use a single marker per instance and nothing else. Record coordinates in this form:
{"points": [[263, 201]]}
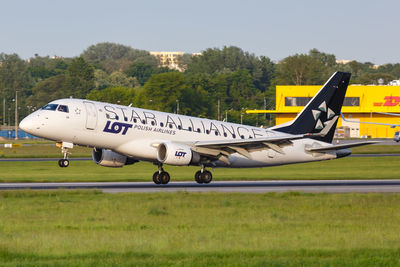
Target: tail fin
{"points": [[321, 114]]}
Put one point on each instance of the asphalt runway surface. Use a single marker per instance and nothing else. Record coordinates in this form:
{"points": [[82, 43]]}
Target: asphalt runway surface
{"points": [[89, 159], [312, 186]]}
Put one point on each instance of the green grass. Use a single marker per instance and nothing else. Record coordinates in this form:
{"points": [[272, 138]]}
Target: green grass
{"points": [[345, 168], [45, 150], [376, 149], [89, 228], [26, 141]]}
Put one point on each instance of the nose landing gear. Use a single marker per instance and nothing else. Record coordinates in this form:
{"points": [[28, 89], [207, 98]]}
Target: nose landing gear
{"points": [[64, 162]]}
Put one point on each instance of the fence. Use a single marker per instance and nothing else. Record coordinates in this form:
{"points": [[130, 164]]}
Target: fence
{"points": [[11, 134]]}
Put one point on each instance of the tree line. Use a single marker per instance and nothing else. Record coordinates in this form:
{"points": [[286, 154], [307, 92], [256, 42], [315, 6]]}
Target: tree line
{"points": [[220, 83]]}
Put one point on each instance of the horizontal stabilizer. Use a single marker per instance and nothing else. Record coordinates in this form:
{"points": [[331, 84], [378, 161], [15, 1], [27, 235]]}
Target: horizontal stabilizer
{"points": [[337, 147]]}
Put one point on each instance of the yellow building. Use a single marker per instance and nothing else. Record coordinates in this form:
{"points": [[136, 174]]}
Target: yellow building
{"points": [[169, 59], [361, 104]]}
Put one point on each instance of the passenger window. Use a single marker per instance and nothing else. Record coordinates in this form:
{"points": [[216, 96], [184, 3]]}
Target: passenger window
{"points": [[63, 108], [50, 107]]}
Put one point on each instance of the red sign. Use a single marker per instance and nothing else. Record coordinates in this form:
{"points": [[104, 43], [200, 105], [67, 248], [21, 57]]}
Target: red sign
{"points": [[391, 101]]}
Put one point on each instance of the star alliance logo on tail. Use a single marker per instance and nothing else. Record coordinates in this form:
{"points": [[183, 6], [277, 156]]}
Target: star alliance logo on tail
{"points": [[330, 114]]}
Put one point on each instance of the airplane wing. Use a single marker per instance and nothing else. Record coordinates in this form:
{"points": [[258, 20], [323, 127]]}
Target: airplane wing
{"points": [[377, 123], [221, 149]]}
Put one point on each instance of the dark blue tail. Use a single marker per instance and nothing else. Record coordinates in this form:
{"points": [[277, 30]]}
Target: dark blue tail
{"points": [[322, 111]]}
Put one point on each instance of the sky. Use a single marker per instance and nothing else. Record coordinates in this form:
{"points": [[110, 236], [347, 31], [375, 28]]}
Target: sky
{"points": [[366, 31]]}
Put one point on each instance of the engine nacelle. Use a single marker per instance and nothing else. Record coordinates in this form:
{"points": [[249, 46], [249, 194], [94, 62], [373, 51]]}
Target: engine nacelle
{"points": [[176, 154], [108, 158]]}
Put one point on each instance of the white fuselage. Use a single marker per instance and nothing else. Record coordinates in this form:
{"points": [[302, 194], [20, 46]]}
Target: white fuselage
{"points": [[136, 132]]}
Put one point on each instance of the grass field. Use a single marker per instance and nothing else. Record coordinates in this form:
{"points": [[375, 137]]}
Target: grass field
{"points": [[89, 228], [44, 150], [345, 168]]}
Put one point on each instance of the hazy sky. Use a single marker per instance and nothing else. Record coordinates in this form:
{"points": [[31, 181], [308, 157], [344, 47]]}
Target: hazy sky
{"points": [[361, 30]]}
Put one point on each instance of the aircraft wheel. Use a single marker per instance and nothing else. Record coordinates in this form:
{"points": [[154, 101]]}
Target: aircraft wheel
{"points": [[206, 177], [197, 177], [164, 177], [156, 178], [63, 163]]}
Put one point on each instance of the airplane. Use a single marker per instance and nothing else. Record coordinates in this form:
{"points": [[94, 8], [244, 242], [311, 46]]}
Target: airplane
{"points": [[123, 135]]}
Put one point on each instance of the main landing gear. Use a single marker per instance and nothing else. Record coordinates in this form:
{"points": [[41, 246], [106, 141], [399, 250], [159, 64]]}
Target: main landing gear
{"points": [[203, 176], [64, 162], [161, 176]]}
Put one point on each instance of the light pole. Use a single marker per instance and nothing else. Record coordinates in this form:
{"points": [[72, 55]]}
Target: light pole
{"points": [[265, 107], [177, 106], [16, 115], [226, 114], [4, 111], [241, 115], [219, 108]]}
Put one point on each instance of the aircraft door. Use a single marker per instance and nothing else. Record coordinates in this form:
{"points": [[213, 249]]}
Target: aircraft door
{"points": [[91, 115]]}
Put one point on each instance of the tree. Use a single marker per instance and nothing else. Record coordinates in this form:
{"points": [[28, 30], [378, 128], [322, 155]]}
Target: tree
{"points": [[118, 78], [373, 78], [47, 90], [13, 77], [300, 69], [163, 90], [115, 79], [183, 61], [231, 59], [195, 102], [41, 68], [142, 71], [79, 79], [116, 57], [327, 60], [117, 95]]}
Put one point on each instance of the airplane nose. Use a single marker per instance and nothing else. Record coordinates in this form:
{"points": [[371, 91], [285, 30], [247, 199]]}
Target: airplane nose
{"points": [[27, 125]]}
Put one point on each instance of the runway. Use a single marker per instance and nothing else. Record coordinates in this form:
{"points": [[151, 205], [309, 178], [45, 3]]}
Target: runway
{"points": [[90, 159], [312, 186]]}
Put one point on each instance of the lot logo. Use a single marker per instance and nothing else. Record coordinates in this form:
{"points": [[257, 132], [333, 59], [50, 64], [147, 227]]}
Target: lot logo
{"points": [[180, 154], [117, 127], [391, 101]]}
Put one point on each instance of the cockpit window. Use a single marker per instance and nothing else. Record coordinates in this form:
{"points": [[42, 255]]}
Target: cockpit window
{"points": [[63, 108], [50, 107]]}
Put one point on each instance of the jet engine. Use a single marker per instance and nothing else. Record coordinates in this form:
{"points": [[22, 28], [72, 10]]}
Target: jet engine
{"points": [[176, 154], [108, 158]]}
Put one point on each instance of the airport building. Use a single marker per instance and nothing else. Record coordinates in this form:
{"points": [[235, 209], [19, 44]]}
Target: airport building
{"points": [[361, 104], [169, 59]]}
